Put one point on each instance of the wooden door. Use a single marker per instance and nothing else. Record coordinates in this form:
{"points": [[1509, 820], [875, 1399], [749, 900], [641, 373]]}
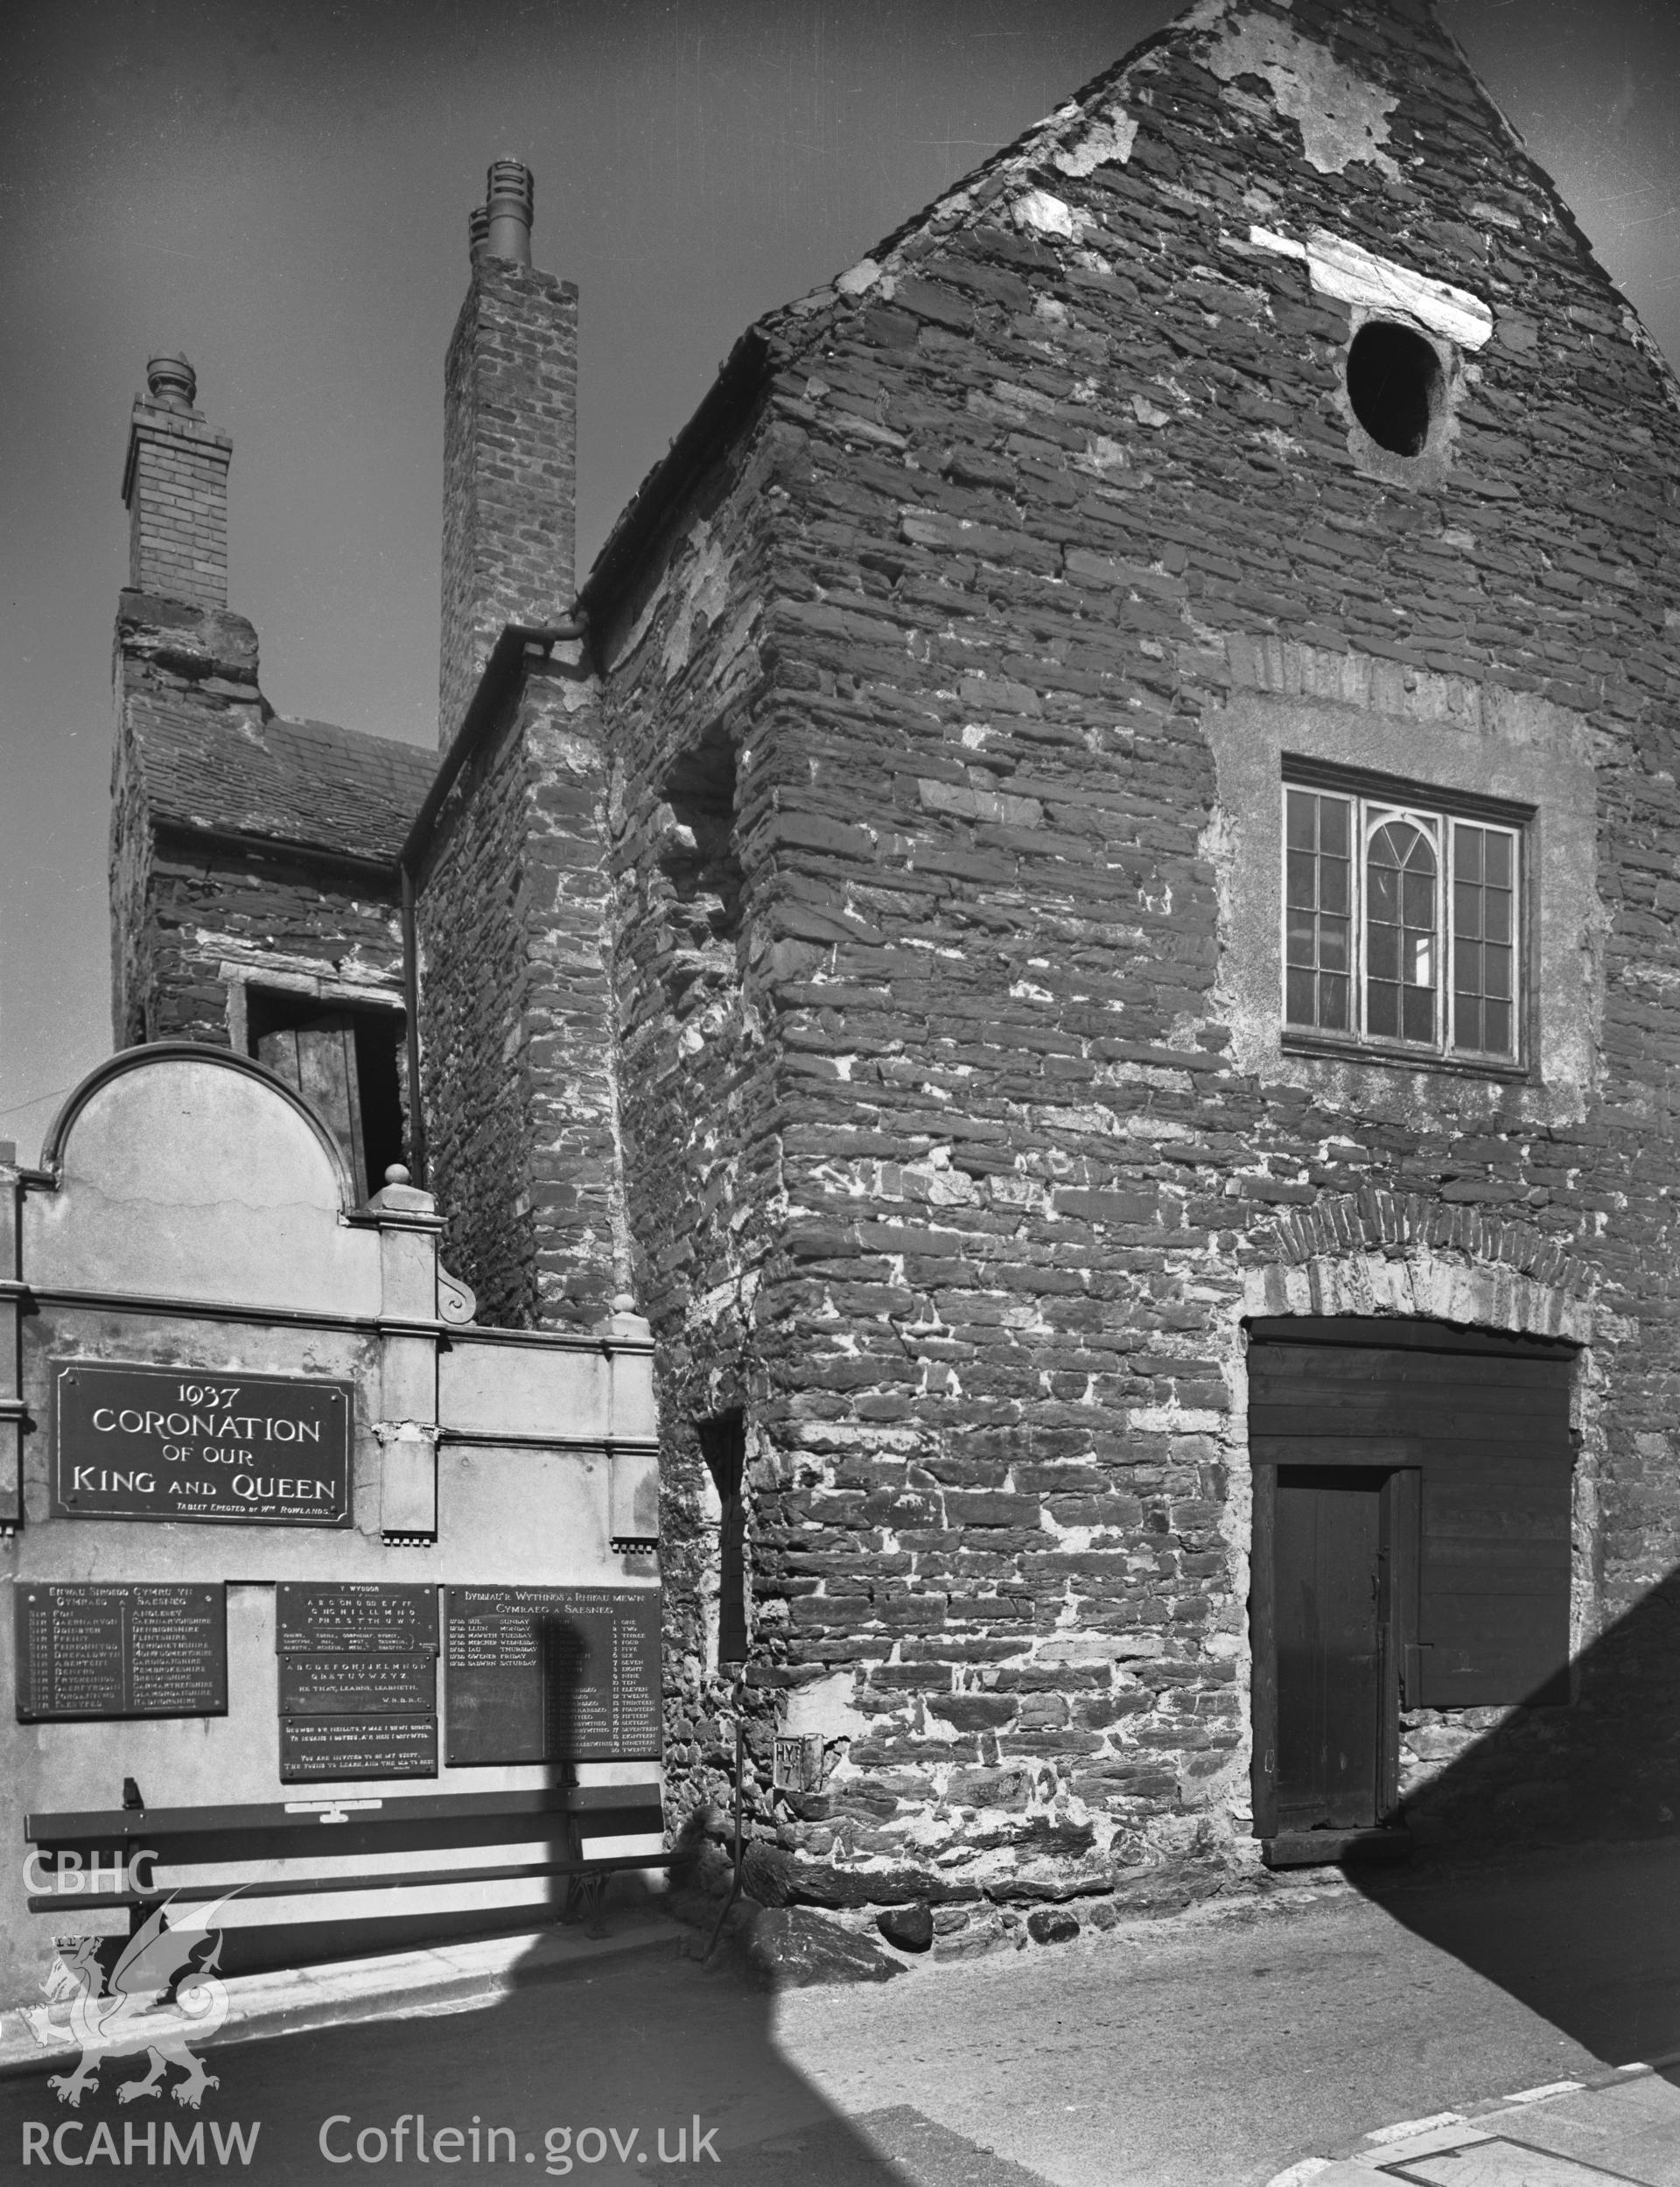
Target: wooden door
{"points": [[318, 1058], [1336, 1694], [1486, 1419]]}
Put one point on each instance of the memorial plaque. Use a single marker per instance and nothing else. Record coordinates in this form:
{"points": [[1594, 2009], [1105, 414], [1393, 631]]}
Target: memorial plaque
{"points": [[314, 1749], [358, 1685], [349, 1618], [120, 1650], [358, 1678], [551, 1674], [169, 1443]]}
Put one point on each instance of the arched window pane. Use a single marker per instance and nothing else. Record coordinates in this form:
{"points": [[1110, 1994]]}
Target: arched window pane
{"points": [[1402, 958]]}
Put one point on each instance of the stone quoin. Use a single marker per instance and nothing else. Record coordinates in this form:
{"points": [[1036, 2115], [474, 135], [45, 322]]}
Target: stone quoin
{"points": [[1082, 911]]}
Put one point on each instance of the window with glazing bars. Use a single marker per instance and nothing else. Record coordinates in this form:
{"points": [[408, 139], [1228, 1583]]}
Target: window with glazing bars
{"points": [[1401, 926]]}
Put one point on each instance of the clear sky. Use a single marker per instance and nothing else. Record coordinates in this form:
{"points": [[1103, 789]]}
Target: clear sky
{"points": [[280, 188]]}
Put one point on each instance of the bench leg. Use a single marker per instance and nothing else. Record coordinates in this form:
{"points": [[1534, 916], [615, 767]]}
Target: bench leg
{"points": [[584, 1896]]}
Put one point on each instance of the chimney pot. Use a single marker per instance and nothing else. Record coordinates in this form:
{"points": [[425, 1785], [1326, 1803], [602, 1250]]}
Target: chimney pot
{"points": [[510, 204], [478, 230], [172, 383]]}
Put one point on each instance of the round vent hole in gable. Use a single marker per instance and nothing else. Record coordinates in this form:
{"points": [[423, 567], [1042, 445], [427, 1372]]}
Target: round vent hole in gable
{"points": [[1395, 385]]}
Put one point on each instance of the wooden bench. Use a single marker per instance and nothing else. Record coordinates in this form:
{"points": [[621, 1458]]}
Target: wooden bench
{"points": [[579, 1832]]}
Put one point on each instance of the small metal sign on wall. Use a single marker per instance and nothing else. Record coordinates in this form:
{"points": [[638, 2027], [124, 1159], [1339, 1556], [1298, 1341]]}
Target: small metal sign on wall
{"points": [[173, 1443], [797, 1762]]}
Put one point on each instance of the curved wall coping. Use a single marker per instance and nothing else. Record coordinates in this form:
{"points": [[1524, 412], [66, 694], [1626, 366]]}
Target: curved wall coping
{"points": [[130, 1059]]}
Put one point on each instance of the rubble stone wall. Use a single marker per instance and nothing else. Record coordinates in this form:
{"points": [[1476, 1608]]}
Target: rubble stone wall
{"points": [[960, 1180], [570, 1025], [215, 918], [516, 1015], [471, 913], [685, 686]]}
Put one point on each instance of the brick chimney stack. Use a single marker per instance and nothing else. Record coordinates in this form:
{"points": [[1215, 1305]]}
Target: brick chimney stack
{"points": [[175, 490], [510, 420]]}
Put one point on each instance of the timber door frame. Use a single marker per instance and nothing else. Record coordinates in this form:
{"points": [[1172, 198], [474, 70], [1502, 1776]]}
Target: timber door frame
{"points": [[1400, 1458]]}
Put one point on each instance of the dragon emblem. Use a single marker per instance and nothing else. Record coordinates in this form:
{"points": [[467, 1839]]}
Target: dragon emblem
{"points": [[127, 2014]]}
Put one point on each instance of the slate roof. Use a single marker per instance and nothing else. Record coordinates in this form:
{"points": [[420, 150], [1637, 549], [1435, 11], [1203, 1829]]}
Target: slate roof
{"points": [[304, 783]]}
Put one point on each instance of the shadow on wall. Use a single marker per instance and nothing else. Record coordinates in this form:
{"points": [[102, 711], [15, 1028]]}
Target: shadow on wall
{"points": [[1549, 1850]]}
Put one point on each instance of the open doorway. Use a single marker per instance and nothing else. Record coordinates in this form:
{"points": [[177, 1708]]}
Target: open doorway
{"points": [[347, 1063]]}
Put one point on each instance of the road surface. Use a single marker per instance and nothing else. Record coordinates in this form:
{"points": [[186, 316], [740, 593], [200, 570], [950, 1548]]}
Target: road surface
{"points": [[1211, 2051]]}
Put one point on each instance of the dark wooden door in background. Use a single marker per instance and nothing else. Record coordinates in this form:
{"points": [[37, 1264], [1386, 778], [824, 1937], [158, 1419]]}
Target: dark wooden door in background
{"points": [[1334, 1694], [1412, 1487], [318, 1058]]}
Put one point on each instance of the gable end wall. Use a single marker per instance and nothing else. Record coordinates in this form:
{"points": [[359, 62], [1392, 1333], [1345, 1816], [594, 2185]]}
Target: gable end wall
{"points": [[1069, 479]]}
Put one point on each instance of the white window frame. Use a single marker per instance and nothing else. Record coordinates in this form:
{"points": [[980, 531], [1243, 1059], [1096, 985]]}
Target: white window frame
{"points": [[1373, 806]]}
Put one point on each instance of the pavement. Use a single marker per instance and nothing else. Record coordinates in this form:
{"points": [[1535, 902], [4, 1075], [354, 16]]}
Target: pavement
{"points": [[1516, 2028], [1623, 2125], [397, 1985]]}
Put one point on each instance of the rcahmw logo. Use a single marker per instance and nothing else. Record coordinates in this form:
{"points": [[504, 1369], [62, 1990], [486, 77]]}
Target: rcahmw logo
{"points": [[126, 2012], [147, 2146]]}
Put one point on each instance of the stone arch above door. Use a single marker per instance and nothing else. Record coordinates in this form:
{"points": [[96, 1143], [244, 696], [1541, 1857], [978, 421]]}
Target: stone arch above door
{"points": [[1379, 1252]]}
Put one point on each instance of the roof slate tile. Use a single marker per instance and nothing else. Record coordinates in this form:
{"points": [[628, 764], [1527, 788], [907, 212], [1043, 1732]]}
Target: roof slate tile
{"points": [[309, 783]]}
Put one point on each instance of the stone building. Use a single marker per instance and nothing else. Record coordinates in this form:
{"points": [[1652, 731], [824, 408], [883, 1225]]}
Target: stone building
{"points": [[1081, 907], [253, 896]]}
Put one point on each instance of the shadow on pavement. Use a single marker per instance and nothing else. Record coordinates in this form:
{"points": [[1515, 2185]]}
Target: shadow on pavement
{"points": [[1550, 1854], [639, 2065]]}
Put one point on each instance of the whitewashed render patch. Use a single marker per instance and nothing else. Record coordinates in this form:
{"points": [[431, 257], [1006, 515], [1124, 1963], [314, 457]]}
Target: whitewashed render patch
{"points": [[1342, 270], [1342, 116]]}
